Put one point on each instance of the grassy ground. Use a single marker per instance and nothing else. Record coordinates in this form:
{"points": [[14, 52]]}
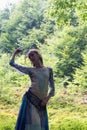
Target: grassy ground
{"points": [[67, 110]]}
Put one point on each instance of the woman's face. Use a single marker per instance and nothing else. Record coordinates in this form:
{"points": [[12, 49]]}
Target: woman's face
{"points": [[34, 57]]}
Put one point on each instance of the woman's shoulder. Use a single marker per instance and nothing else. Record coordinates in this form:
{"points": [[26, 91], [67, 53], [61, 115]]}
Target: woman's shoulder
{"points": [[50, 68]]}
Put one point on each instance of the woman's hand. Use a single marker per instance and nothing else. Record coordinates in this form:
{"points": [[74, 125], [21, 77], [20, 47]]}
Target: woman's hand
{"points": [[17, 52], [45, 100]]}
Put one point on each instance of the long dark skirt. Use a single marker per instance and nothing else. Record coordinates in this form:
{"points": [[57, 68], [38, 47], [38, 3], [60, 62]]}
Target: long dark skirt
{"points": [[30, 118]]}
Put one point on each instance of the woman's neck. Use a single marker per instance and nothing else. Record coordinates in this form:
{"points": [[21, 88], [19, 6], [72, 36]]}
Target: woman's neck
{"points": [[39, 65]]}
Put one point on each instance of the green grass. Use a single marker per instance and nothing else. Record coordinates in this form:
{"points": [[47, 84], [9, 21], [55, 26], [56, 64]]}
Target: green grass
{"points": [[7, 121], [68, 118], [66, 110]]}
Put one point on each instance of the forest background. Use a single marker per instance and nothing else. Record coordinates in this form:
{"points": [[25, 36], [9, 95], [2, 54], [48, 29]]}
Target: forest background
{"points": [[58, 28]]}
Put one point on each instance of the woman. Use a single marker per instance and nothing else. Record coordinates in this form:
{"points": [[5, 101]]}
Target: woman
{"points": [[33, 113]]}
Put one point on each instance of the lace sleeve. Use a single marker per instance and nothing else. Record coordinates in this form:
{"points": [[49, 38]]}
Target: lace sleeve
{"points": [[51, 82], [20, 68]]}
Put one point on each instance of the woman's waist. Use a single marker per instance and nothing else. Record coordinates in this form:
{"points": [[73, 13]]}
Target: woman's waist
{"points": [[36, 101], [38, 93]]}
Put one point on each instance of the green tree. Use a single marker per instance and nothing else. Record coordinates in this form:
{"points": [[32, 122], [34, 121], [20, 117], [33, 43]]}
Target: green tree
{"points": [[62, 11], [69, 51], [80, 76], [26, 26]]}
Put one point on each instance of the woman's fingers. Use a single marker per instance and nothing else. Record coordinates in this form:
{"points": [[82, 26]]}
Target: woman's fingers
{"points": [[18, 51]]}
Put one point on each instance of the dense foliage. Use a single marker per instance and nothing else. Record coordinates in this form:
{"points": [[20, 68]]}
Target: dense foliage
{"points": [[58, 28], [25, 26]]}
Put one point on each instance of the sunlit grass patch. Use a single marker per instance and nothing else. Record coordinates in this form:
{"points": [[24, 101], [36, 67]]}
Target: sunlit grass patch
{"points": [[66, 112], [7, 121], [65, 120]]}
